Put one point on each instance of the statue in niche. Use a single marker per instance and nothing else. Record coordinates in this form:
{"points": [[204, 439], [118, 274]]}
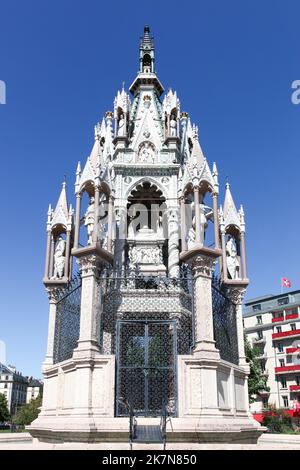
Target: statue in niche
{"points": [[89, 220], [206, 214], [59, 258], [232, 261], [191, 237], [134, 220], [121, 126], [159, 225], [173, 126]]}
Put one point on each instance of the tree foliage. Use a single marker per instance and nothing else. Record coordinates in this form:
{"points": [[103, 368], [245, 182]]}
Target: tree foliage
{"points": [[4, 413], [28, 413], [257, 381]]}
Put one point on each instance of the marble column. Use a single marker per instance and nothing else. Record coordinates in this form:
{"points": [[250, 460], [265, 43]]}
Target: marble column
{"points": [[216, 220], [243, 250], [96, 214], [110, 223], [224, 261], [51, 263], [52, 292], [67, 272], [90, 309], [197, 214], [47, 261], [183, 224], [173, 252], [77, 220], [202, 268]]}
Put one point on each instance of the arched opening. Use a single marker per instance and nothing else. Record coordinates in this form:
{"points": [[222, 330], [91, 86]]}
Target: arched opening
{"points": [[146, 247], [146, 63]]}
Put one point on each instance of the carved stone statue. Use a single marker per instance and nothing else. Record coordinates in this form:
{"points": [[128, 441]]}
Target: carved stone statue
{"points": [[89, 220], [159, 225], [233, 264], [121, 126], [191, 237], [59, 258], [173, 126]]}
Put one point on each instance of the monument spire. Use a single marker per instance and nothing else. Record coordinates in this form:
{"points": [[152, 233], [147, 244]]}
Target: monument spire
{"points": [[147, 52]]}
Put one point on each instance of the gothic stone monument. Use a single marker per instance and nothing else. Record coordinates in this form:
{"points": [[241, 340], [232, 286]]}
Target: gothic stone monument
{"points": [[145, 282]]}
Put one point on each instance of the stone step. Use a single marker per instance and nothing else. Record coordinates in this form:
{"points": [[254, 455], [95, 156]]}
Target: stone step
{"points": [[147, 433]]}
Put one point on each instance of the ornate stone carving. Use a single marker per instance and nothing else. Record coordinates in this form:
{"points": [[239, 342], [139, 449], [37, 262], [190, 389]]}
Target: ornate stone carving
{"points": [[236, 294], [146, 153], [59, 259], [232, 260], [90, 265], [89, 220], [203, 265], [145, 255]]}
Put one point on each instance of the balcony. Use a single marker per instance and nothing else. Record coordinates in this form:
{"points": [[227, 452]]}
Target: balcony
{"points": [[294, 388], [287, 369], [291, 316], [277, 319], [284, 334], [259, 340], [292, 350]]}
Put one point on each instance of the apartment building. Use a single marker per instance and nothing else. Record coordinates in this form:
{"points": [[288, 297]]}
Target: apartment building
{"points": [[272, 323]]}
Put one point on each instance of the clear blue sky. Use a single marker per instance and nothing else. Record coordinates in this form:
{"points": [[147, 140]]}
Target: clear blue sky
{"points": [[232, 64]]}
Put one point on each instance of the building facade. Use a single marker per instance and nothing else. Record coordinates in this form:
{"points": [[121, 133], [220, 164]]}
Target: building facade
{"points": [[272, 324], [152, 320], [34, 389], [13, 385]]}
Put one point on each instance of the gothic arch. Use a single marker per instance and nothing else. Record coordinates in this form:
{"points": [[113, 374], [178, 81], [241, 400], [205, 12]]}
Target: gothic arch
{"points": [[146, 179]]}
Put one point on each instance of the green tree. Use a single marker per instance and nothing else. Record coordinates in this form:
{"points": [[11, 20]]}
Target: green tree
{"points": [[257, 381], [28, 413], [4, 413]]}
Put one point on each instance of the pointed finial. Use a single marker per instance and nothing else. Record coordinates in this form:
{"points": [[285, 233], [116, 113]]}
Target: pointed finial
{"points": [[78, 169], [123, 85]]}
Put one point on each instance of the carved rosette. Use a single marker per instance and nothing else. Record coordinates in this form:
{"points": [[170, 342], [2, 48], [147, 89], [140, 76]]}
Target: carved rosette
{"points": [[203, 266], [235, 294]]}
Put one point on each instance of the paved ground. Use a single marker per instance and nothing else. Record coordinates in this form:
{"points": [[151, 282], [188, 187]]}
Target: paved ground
{"points": [[279, 444]]}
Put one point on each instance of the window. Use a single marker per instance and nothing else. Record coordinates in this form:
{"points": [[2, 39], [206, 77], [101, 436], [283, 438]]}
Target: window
{"points": [[6, 377], [5, 385], [256, 308], [285, 401], [278, 329], [293, 326], [283, 301], [263, 366], [259, 320], [265, 402], [280, 347], [283, 382], [281, 362], [297, 378], [260, 335]]}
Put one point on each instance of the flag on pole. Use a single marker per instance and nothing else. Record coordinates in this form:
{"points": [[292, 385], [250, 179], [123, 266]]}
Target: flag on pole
{"points": [[285, 282]]}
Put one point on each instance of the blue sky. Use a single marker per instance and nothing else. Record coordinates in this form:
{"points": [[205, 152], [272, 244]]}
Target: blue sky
{"points": [[232, 64]]}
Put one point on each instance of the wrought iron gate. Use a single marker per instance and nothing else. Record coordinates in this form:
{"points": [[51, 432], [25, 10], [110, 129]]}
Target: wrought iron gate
{"points": [[146, 367]]}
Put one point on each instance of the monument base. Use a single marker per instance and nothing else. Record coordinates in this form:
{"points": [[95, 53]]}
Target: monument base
{"points": [[79, 398]]}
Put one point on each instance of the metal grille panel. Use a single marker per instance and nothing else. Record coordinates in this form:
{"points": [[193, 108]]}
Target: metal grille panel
{"points": [[67, 320], [146, 367]]}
